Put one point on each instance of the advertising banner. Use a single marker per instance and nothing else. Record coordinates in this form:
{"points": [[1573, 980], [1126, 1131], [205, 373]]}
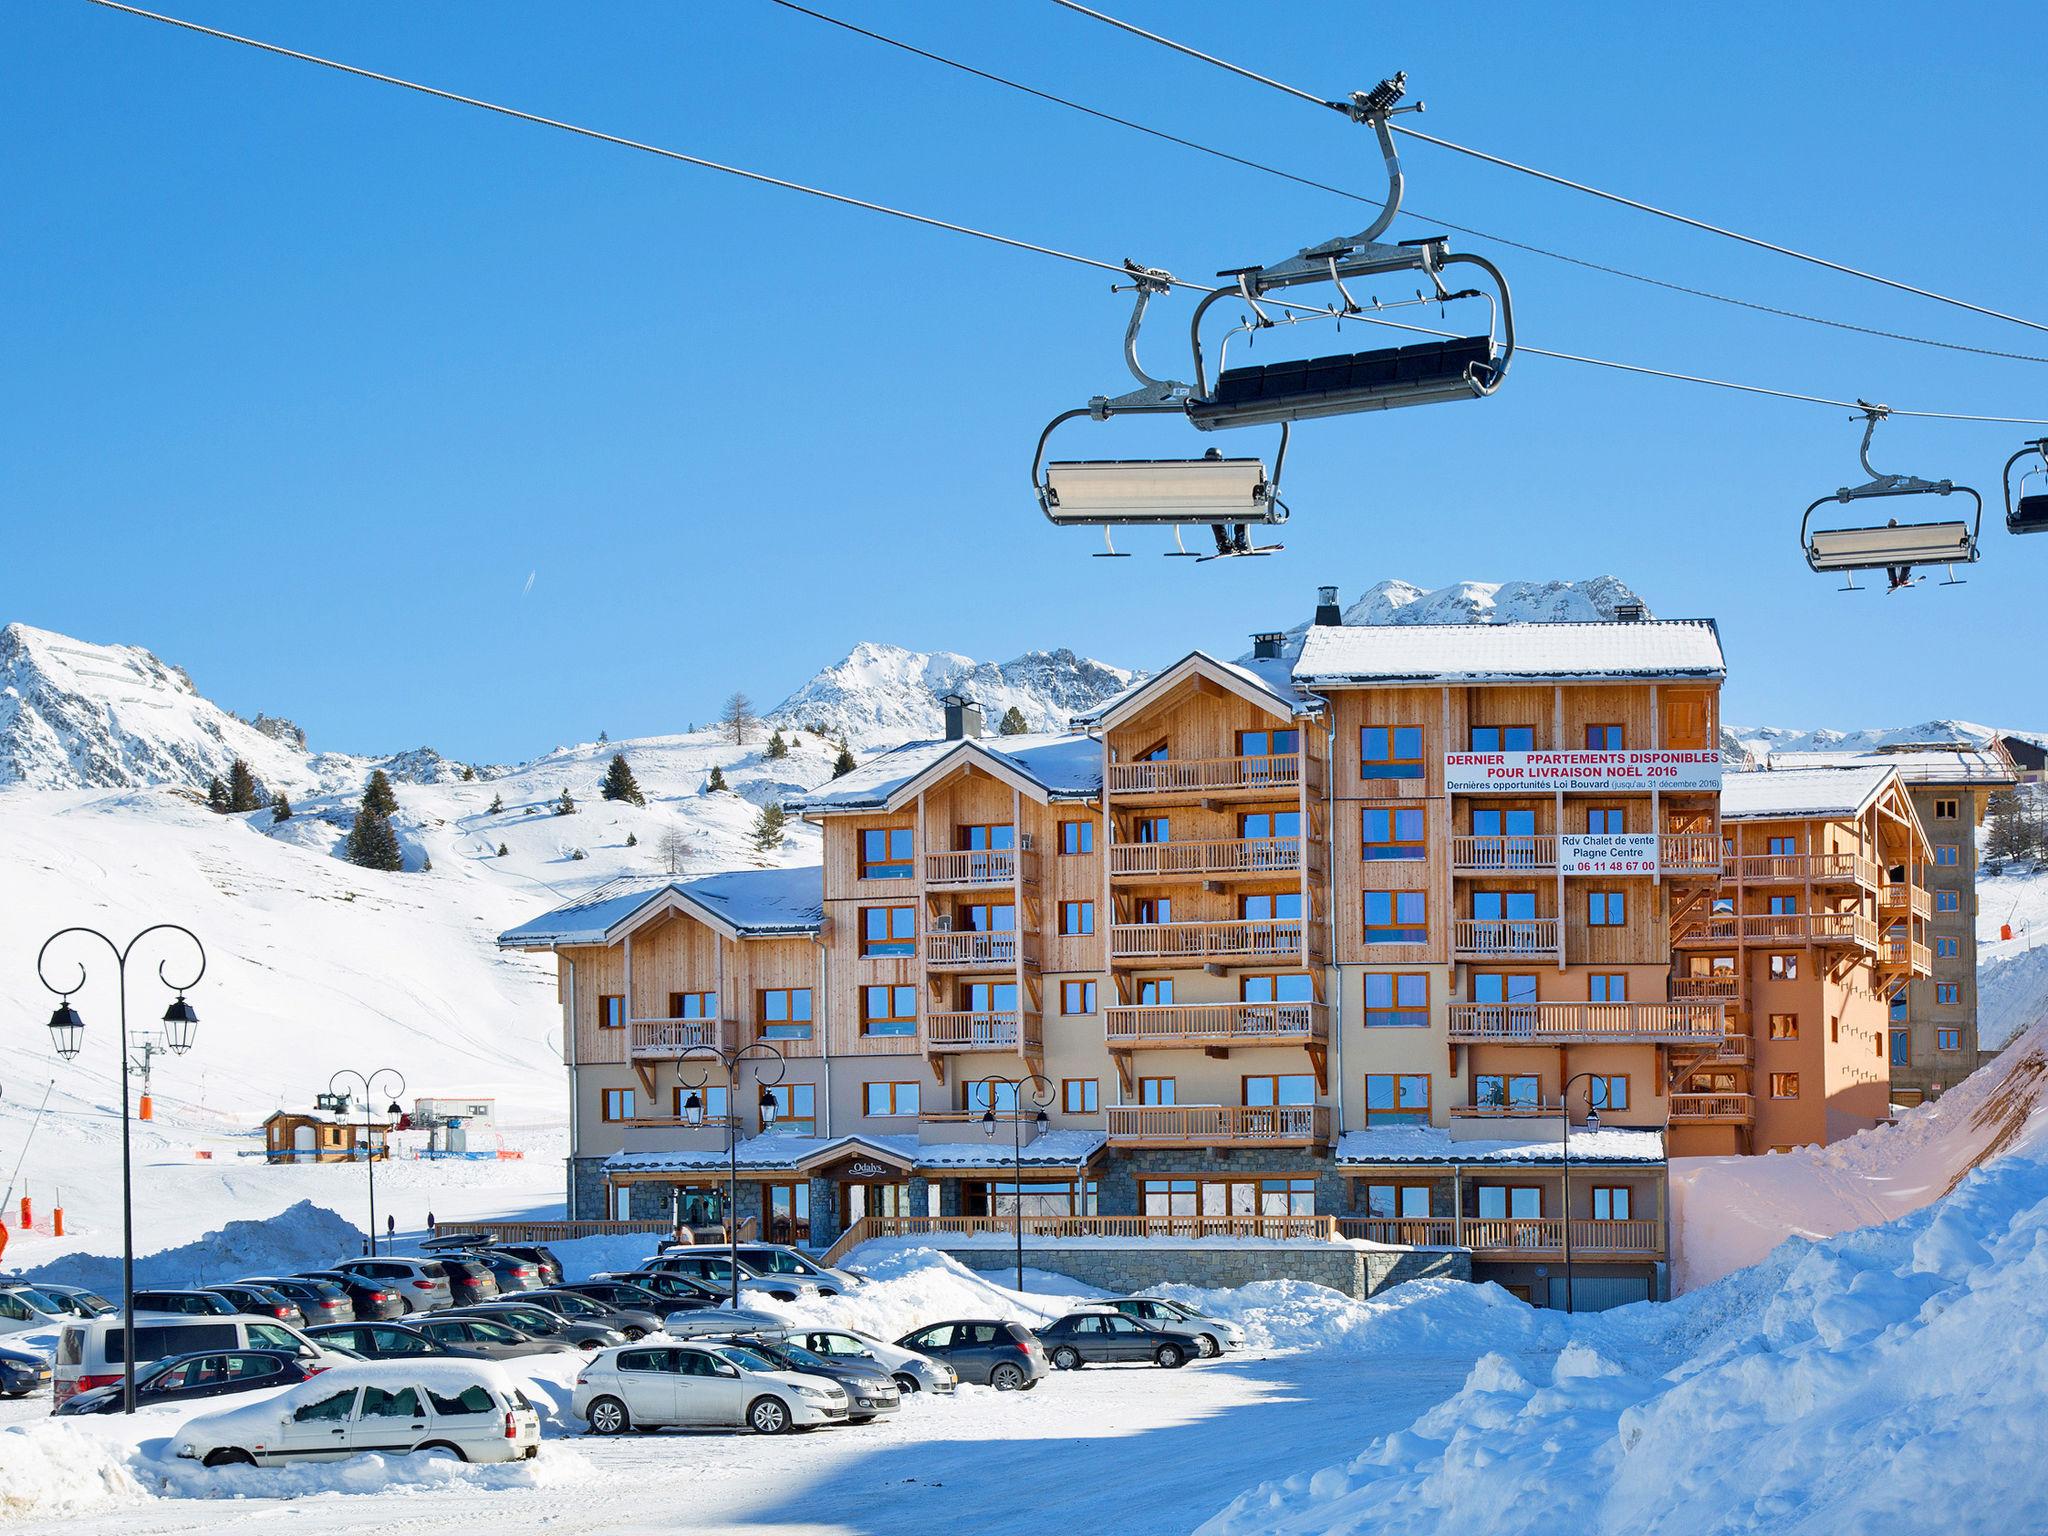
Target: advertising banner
{"points": [[1539, 773], [1612, 853]]}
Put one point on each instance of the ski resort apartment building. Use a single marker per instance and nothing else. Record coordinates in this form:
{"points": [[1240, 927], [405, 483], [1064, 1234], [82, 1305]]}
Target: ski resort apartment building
{"points": [[1345, 943]]}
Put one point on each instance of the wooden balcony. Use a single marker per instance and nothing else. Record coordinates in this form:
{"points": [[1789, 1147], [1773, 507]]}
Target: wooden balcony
{"points": [[718, 1123], [1725, 988], [1243, 938], [1900, 953], [1542, 1109], [1545, 1234], [1781, 928], [1732, 1050], [1168, 1026], [1712, 1109], [1166, 1228], [1224, 776], [1503, 855], [978, 867], [1218, 1125], [671, 1039], [1682, 1023], [1009, 1030], [1898, 900], [980, 951], [1801, 868], [1252, 856], [1510, 936], [1402, 1231], [1690, 853]]}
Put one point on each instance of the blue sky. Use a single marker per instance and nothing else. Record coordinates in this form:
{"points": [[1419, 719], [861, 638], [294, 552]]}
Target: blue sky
{"points": [[305, 375]]}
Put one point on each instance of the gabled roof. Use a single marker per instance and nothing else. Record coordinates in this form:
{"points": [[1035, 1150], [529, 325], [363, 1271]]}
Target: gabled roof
{"points": [[740, 904], [1263, 682], [1359, 655], [1066, 766], [1959, 763], [1776, 793]]}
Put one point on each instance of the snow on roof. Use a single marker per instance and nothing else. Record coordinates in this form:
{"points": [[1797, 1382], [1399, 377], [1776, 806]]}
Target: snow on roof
{"points": [[1333, 655], [1055, 1148], [1780, 792], [754, 903], [1430, 1144], [779, 1151], [1067, 766], [1932, 764], [331, 1117], [1268, 676]]}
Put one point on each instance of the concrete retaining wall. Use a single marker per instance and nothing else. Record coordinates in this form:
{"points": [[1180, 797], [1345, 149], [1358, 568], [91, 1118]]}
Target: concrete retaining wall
{"points": [[1132, 1266]]}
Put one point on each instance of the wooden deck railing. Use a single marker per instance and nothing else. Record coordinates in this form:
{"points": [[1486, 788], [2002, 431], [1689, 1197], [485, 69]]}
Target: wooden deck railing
{"points": [[1521, 1234], [1799, 868], [1560, 1023], [1277, 938], [1190, 774], [981, 866], [1513, 854], [1713, 1108], [1182, 1125], [1897, 900], [666, 1039], [1184, 1024], [1006, 1030], [1783, 928], [1541, 1109], [1169, 1228], [1898, 950], [1690, 852], [980, 949], [551, 1231], [1723, 988], [1506, 936], [1226, 856]]}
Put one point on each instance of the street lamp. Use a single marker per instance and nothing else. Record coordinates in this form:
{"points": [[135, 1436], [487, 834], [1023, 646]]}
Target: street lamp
{"points": [[67, 1034], [693, 1115], [1035, 1082], [382, 1074], [1592, 1124]]}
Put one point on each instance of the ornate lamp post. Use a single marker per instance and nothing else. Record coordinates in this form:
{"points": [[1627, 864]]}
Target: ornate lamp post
{"points": [[1040, 1096], [67, 1034], [382, 1074], [693, 1114], [1592, 1124]]}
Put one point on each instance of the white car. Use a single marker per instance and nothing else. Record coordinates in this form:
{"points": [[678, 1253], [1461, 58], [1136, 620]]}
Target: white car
{"points": [[723, 1386], [24, 1309], [913, 1372], [464, 1408], [1215, 1334]]}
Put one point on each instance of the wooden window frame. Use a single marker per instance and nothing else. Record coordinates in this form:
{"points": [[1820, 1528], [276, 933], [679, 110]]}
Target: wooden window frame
{"points": [[1471, 731], [1269, 732], [1172, 1093], [707, 1004], [1394, 931], [786, 1117], [1081, 831], [892, 945], [1948, 855], [1393, 849], [1946, 809], [624, 1099], [1778, 1081], [1953, 991], [1600, 909], [1620, 1193], [1393, 766], [1618, 728], [1601, 1079], [1782, 965], [1244, 834], [1090, 1088], [1156, 983], [1246, 1079], [1275, 897], [1948, 1037], [1396, 1014], [606, 1009], [1399, 1115], [1143, 905], [1608, 813], [892, 1019], [1508, 1191], [1948, 901], [789, 1024], [1610, 978], [1246, 978], [1953, 950], [895, 1092], [1088, 993], [1082, 912], [680, 1091], [1507, 1081], [962, 832], [1361, 1195], [888, 867], [1143, 828], [1774, 1031]]}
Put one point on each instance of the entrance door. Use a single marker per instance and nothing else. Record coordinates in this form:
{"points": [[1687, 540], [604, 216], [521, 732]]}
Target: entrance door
{"points": [[871, 1197], [789, 1213]]}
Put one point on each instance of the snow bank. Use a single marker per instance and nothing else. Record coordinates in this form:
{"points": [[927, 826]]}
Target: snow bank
{"points": [[911, 1285], [583, 1257], [55, 1469], [305, 1236], [1418, 1318], [1849, 1385]]}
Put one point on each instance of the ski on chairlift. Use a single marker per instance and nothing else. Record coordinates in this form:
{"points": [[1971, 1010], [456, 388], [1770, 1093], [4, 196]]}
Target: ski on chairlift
{"points": [[2027, 511], [1893, 547], [1426, 372]]}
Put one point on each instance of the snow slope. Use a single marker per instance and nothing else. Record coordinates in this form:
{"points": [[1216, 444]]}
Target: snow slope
{"points": [[1761, 739], [1484, 602]]}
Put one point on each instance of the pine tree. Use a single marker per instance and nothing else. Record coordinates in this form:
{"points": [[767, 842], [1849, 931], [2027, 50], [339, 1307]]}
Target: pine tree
{"points": [[1013, 722], [565, 806], [632, 840], [372, 843], [2010, 836], [497, 805], [737, 720], [217, 796], [503, 849], [769, 828], [280, 808], [604, 738], [242, 791], [619, 783], [777, 747], [468, 774], [378, 796], [717, 778], [843, 764]]}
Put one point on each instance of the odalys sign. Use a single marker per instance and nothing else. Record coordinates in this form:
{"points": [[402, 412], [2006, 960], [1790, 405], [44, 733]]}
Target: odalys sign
{"points": [[1539, 773]]}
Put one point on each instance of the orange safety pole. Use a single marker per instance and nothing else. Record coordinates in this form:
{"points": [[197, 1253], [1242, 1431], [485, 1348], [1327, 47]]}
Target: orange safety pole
{"points": [[26, 1214], [144, 1113], [57, 1216]]}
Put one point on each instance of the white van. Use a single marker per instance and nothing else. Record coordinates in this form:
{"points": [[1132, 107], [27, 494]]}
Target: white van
{"points": [[467, 1409], [89, 1349]]}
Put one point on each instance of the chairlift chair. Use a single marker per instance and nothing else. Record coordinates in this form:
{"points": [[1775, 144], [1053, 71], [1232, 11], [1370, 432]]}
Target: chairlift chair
{"points": [[1425, 372], [1893, 547], [2027, 512]]}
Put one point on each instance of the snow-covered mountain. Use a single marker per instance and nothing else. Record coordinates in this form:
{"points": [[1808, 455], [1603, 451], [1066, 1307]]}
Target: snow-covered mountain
{"points": [[882, 694], [1485, 602], [1760, 739]]}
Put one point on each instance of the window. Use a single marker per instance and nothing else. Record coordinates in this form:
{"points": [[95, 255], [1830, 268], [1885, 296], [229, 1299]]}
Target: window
{"points": [[1948, 993], [1397, 1098], [1155, 1090], [1155, 990], [1390, 752], [1947, 949], [987, 997], [1834, 1030], [888, 1010], [1946, 1039], [1260, 907], [1265, 1090], [1503, 738], [1269, 824], [796, 1108], [1783, 847], [1080, 1095], [471, 1400], [1504, 839], [1607, 987], [1606, 820], [1784, 1085], [984, 838], [1396, 999], [1152, 829], [1945, 810], [1391, 1201], [889, 1098], [1503, 906], [1267, 743], [712, 1099], [1077, 837], [1948, 901], [618, 1104], [1239, 1195], [1152, 909], [1947, 854], [1396, 917], [1502, 1090], [1077, 917], [1784, 1026], [1896, 1006], [333, 1409], [1393, 832], [611, 1012], [987, 917], [1284, 987], [1503, 987], [1077, 997], [785, 1013], [886, 853], [1784, 967], [1606, 909], [1608, 1092], [693, 1005], [1610, 1202], [1519, 1202], [1603, 738], [1784, 906], [1902, 1047], [888, 930]]}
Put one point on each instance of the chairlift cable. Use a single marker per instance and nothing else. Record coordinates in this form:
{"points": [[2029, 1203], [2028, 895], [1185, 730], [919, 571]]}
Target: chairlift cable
{"points": [[1372, 202], [1554, 178]]}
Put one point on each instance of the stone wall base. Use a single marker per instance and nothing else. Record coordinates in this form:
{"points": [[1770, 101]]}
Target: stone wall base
{"points": [[1357, 1272]]}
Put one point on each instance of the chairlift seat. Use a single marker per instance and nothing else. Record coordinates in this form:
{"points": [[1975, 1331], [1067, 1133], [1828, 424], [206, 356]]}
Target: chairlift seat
{"points": [[1159, 491], [2029, 515], [1882, 548], [1380, 379]]}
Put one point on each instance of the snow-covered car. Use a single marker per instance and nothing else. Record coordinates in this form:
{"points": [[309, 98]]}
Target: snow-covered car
{"points": [[24, 1309], [1215, 1333], [913, 1372], [715, 1266], [704, 1322], [22, 1370], [648, 1386], [464, 1408]]}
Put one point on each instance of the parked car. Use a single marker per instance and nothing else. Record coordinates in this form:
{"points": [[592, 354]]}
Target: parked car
{"points": [[381, 1341], [322, 1301], [715, 1266], [185, 1377], [188, 1303], [469, 1280], [373, 1300], [1216, 1334], [22, 1370], [25, 1309], [871, 1388], [571, 1304], [511, 1272], [700, 1386], [914, 1372], [89, 1350], [584, 1333], [1103, 1336], [487, 1337], [713, 1322], [421, 1283], [261, 1301], [672, 1292], [76, 1299], [464, 1408], [1002, 1355], [770, 1260], [551, 1272]]}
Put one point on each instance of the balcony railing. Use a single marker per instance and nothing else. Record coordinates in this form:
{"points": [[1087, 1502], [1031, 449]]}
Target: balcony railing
{"points": [[1167, 1025], [1230, 856], [984, 951], [1712, 1108], [1900, 952], [1165, 1228], [1690, 853], [669, 1039], [1485, 855], [1799, 868], [1725, 988], [1402, 1231], [1506, 936], [979, 867], [1211, 1125], [1260, 938], [1730, 1050], [1006, 1030], [1522, 1234], [1897, 900], [1193, 775], [1566, 1023], [1540, 1109], [1783, 928]]}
